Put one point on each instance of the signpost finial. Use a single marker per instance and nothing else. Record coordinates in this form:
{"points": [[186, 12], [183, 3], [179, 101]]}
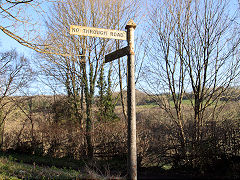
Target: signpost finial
{"points": [[130, 24]]}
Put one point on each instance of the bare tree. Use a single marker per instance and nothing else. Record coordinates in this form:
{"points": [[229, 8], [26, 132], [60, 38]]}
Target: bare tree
{"points": [[79, 72], [193, 49], [20, 20], [15, 74]]}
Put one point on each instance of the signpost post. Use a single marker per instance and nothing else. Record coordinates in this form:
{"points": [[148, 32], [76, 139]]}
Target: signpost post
{"points": [[132, 147], [129, 51]]}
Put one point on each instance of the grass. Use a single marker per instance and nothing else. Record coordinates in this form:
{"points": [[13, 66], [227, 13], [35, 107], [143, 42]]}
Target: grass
{"points": [[23, 166], [186, 102], [10, 169], [44, 160]]}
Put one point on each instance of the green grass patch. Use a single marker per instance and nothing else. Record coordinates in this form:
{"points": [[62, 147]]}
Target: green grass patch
{"points": [[186, 102], [167, 167], [10, 169], [23, 166], [44, 160]]}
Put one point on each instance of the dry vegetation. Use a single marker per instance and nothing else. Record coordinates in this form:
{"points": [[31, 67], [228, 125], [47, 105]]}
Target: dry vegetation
{"points": [[40, 131]]}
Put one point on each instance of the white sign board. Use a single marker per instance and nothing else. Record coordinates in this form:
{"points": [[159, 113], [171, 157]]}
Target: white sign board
{"points": [[98, 32]]}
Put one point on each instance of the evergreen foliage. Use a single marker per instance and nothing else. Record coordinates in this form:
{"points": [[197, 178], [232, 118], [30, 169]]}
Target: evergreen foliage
{"points": [[105, 101]]}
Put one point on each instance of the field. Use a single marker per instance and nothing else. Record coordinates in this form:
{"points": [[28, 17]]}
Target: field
{"points": [[35, 145]]}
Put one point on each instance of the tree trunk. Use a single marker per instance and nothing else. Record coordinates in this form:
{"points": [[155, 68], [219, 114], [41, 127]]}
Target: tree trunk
{"points": [[89, 132]]}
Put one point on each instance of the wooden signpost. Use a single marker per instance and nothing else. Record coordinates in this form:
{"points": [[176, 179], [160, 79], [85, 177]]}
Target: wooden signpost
{"points": [[129, 51]]}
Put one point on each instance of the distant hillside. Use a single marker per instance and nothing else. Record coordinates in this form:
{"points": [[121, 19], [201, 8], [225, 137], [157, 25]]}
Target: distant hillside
{"points": [[141, 97]]}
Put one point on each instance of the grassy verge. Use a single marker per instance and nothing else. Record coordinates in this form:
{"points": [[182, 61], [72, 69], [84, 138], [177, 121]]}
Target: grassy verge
{"points": [[10, 169], [23, 166], [44, 160]]}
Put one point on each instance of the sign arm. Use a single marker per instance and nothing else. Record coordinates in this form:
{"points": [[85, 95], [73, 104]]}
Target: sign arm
{"points": [[117, 54]]}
